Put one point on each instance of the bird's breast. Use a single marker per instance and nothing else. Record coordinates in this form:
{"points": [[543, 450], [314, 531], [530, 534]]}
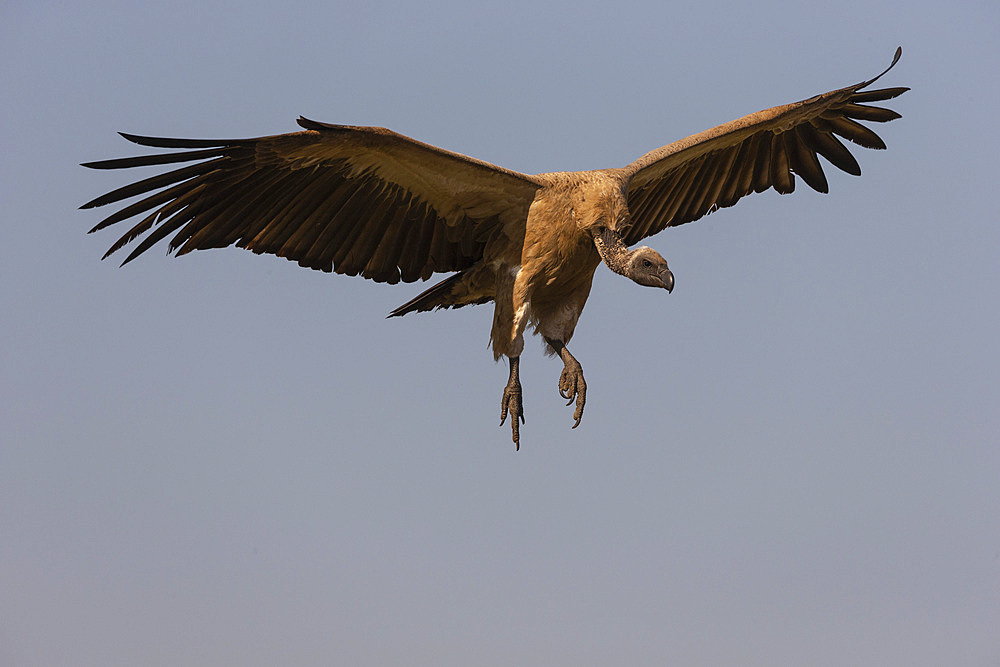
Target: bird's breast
{"points": [[559, 265]]}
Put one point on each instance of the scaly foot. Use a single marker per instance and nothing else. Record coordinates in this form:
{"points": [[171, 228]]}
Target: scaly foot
{"points": [[572, 386], [511, 402]]}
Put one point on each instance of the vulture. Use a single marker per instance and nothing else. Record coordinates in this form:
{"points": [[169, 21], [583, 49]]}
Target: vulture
{"points": [[371, 202]]}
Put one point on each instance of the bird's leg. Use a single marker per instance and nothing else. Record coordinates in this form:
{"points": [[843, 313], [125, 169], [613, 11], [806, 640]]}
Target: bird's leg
{"points": [[511, 402], [572, 386]]}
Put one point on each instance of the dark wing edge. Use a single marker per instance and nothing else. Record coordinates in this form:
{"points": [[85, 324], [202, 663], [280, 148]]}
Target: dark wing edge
{"points": [[683, 181], [354, 200]]}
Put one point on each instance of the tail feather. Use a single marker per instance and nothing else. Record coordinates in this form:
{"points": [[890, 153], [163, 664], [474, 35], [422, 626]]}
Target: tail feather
{"points": [[452, 292]]}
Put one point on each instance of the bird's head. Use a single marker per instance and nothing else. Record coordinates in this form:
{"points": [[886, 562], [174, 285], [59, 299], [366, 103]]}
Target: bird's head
{"points": [[647, 267]]}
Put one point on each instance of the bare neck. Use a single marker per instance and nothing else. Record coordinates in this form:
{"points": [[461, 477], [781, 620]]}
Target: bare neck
{"points": [[612, 250]]}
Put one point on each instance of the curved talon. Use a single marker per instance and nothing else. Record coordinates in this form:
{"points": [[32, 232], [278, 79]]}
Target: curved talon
{"points": [[572, 386]]}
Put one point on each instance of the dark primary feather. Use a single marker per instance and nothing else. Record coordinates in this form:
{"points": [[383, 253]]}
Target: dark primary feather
{"points": [[683, 181], [359, 201]]}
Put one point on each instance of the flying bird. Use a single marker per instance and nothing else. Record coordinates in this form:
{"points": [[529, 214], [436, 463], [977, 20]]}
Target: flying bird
{"points": [[371, 202]]}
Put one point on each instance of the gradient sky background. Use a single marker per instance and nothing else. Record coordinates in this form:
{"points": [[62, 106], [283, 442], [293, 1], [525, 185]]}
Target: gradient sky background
{"points": [[226, 459]]}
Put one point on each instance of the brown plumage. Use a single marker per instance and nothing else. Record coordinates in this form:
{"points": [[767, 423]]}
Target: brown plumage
{"points": [[368, 201]]}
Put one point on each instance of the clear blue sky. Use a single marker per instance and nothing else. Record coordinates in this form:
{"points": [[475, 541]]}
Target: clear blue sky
{"points": [[226, 459]]}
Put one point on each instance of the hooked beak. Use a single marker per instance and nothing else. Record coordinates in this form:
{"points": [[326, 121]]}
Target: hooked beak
{"points": [[668, 280]]}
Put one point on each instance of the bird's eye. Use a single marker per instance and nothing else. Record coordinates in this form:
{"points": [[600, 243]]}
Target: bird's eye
{"points": [[647, 263]]}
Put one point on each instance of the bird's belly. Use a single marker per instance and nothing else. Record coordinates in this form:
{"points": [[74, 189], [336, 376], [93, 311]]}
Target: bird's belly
{"points": [[559, 292]]}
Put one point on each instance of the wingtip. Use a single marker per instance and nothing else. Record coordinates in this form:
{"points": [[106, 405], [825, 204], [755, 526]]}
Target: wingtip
{"points": [[308, 123], [101, 164], [895, 59], [134, 138], [135, 253]]}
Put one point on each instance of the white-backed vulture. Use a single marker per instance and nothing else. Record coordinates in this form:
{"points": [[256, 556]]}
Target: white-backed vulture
{"points": [[368, 201]]}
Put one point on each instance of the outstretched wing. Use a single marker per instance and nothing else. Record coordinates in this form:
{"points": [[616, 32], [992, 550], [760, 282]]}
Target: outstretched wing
{"points": [[355, 200], [682, 181]]}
